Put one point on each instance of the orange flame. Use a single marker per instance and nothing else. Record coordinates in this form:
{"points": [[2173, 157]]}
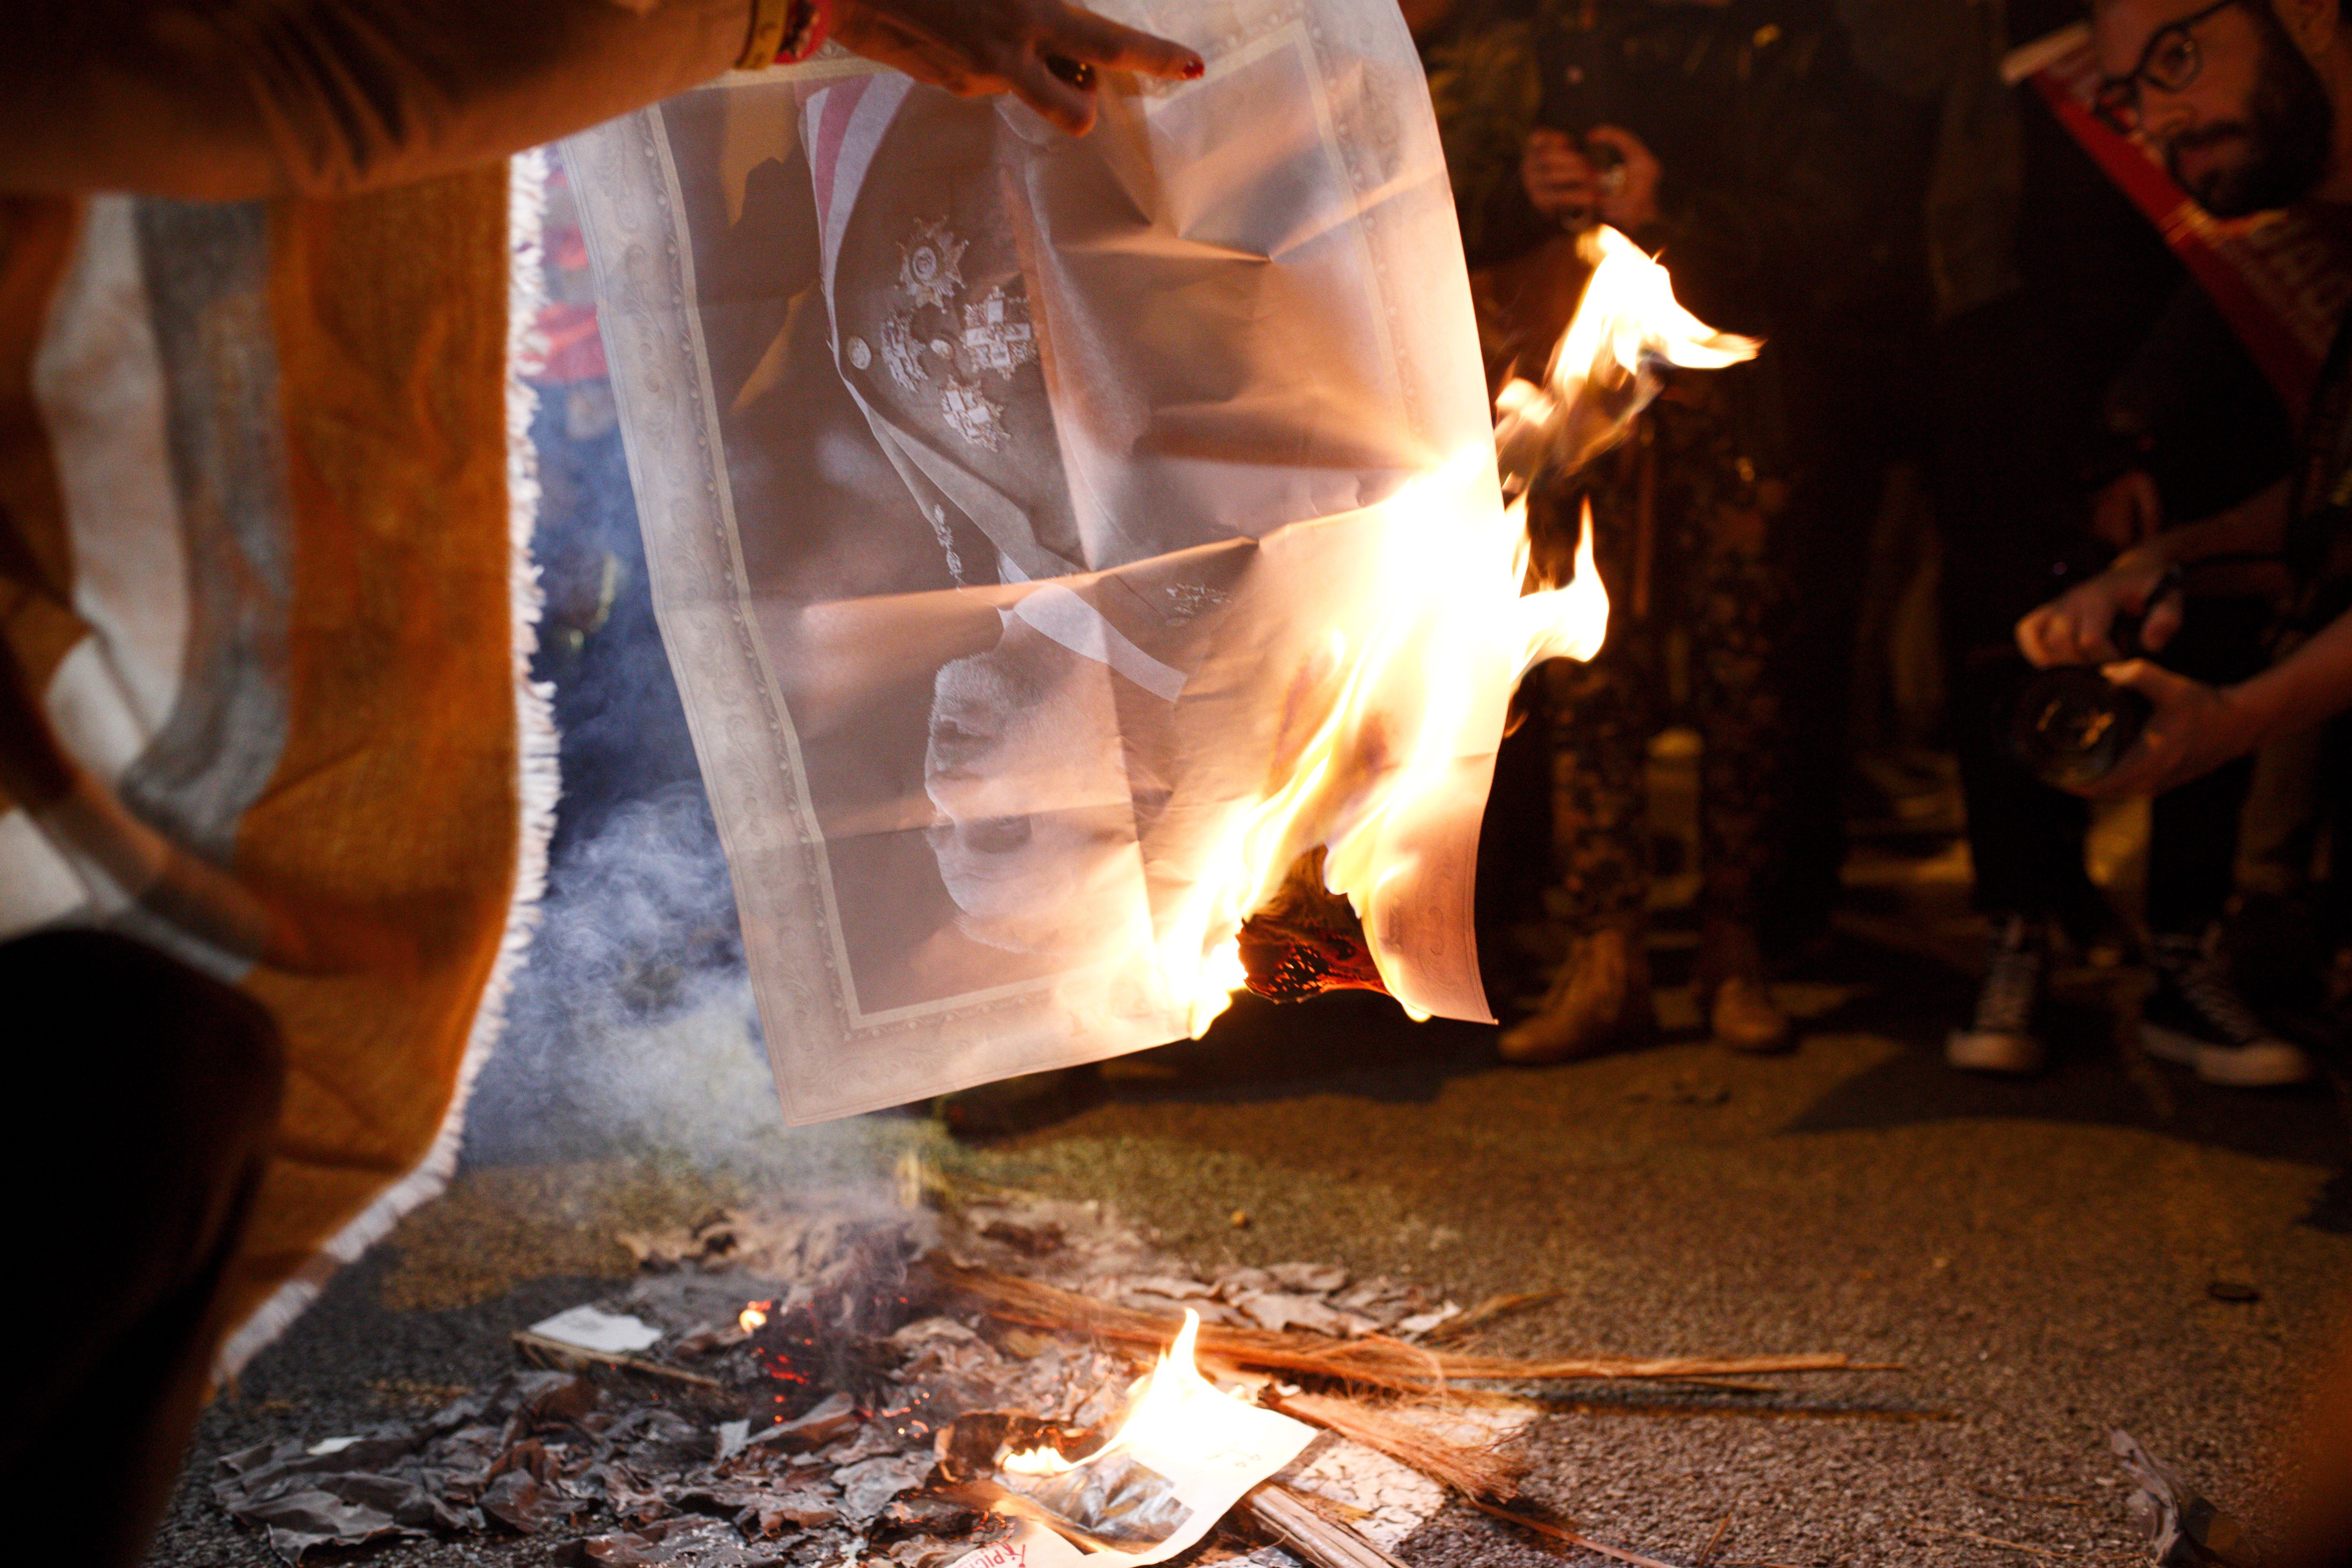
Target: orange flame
{"points": [[1603, 369], [1168, 1409], [1427, 688]]}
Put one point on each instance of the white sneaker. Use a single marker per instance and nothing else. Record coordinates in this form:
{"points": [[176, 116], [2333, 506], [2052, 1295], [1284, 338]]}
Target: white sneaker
{"points": [[2001, 1038], [2196, 1017]]}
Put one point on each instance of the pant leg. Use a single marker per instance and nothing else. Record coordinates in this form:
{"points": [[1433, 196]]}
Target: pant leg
{"points": [[1599, 787], [2192, 837], [1726, 590], [147, 1094], [1602, 716], [2004, 489]]}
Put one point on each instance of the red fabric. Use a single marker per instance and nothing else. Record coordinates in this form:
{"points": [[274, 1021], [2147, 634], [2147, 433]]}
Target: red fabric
{"points": [[575, 349]]}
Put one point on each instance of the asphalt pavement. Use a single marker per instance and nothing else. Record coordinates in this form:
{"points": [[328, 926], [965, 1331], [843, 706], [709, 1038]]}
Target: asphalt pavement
{"points": [[2112, 1245]]}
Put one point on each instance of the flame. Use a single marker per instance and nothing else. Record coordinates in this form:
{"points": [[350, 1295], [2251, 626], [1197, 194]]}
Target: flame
{"points": [[1603, 369], [1174, 1407], [752, 1316], [1391, 718]]}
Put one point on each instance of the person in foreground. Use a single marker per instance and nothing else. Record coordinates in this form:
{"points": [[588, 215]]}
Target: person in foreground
{"points": [[272, 808], [2250, 105]]}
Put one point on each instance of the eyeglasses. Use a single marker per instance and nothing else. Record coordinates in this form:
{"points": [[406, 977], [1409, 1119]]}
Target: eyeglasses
{"points": [[2169, 63]]}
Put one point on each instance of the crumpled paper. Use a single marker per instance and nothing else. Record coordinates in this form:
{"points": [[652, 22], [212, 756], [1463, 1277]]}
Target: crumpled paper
{"points": [[2184, 1530]]}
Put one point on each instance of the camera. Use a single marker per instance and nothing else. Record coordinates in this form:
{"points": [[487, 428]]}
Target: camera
{"points": [[2069, 725]]}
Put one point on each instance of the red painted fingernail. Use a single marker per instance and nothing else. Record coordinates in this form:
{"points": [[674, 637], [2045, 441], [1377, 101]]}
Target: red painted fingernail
{"points": [[1195, 68]]}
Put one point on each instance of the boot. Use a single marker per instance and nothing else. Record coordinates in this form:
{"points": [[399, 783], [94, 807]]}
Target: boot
{"points": [[1740, 1008], [1601, 998]]}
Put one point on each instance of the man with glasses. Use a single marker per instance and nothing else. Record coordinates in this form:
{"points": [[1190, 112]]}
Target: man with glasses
{"points": [[2249, 105], [2232, 96]]}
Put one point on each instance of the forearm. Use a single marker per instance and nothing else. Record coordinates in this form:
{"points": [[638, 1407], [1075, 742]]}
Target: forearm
{"points": [[2307, 688], [234, 98], [2255, 526]]}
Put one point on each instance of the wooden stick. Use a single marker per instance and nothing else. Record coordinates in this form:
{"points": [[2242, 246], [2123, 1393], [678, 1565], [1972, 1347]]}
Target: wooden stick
{"points": [[1567, 1537], [1707, 1552], [1996, 1541], [563, 1357], [1481, 1470], [1373, 1361], [1301, 1530]]}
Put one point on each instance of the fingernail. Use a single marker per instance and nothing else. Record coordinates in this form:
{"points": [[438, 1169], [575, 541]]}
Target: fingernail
{"points": [[1195, 68]]}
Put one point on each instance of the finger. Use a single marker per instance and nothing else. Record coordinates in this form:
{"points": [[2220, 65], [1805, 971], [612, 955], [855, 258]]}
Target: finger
{"points": [[1063, 104], [2084, 640], [2052, 638], [1624, 143], [2032, 634], [2161, 623], [1099, 40], [2142, 676]]}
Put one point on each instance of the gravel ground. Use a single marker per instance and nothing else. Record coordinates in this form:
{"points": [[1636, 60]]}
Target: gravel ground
{"points": [[2038, 1257]]}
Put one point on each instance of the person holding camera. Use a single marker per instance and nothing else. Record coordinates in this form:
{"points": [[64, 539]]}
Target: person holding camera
{"points": [[2249, 106]]}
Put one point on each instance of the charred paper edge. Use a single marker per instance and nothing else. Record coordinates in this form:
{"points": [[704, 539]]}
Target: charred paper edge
{"points": [[538, 782]]}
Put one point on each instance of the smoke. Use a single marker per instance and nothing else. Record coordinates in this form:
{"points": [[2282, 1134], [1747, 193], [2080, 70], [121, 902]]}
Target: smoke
{"points": [[633, 1027], [631, 1030]]}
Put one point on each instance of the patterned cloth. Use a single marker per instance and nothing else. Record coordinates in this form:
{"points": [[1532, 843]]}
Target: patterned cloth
{"points": [[1703, 575], [264, 614]]}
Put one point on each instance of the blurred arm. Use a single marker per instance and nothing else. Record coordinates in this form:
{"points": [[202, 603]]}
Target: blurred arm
{"points": [[235, 98]]}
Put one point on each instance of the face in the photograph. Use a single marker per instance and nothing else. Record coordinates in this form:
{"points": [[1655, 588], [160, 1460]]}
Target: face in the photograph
{"points": [[1036, 836], [2222, 94]]}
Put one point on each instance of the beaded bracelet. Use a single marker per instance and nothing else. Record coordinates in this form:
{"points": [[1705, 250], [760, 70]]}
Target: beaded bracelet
{"points": [[785, 32]]}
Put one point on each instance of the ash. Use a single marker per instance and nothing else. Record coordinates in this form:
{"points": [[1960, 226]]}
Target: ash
{"points": [[805, 1431]]}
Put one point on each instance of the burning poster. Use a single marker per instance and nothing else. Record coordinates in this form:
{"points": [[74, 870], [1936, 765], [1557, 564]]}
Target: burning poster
{"points": [[1055, 540], [1183, 1457]]}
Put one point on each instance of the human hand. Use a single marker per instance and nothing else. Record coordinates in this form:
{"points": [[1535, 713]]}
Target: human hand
{"points": [[2077, 627], [2194, 729], [1629, 191], [1559, 179], [2128, 511], [1044, 52]]}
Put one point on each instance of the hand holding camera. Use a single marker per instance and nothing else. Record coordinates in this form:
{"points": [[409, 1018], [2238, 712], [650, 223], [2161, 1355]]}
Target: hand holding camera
{"points": [[1607, 175]]}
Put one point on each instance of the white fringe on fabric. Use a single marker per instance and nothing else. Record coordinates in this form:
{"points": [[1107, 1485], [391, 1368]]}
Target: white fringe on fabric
{"points": [[538, 784]]}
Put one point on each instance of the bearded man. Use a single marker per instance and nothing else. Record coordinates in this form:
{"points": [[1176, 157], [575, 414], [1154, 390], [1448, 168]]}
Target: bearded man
{"points": [[2249, 105]]}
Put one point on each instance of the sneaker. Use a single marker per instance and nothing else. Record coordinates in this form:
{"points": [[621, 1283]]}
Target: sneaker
{"points": [[2195, 1017], [2001, 1038]]}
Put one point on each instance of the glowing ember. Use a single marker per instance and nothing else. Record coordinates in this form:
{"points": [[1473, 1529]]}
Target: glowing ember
{"points": [[752, 1316]]}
